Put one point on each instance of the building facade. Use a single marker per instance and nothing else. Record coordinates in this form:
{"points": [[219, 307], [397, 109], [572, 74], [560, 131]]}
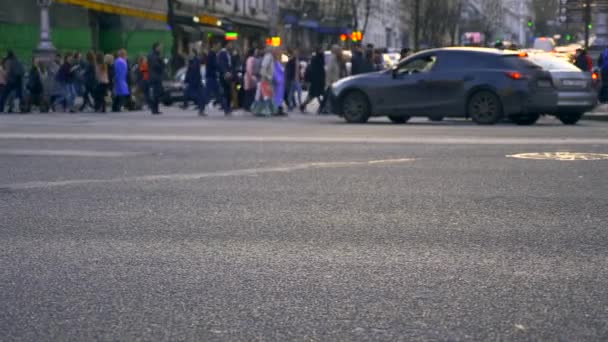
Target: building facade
{"points": [[385, 24]]}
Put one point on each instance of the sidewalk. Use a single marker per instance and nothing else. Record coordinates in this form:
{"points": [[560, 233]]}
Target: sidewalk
{"points": [[599, 114]]}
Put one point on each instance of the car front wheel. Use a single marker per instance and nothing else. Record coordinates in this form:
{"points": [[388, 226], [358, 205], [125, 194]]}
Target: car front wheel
{"points": [[485, 108], [355, 107], [570, 118]]}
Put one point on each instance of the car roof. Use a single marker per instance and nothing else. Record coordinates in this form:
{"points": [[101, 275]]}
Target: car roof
{"points": [[481, 50]]}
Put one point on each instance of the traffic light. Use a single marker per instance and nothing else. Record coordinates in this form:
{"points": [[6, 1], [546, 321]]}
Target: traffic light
{"points": [[530, 23], [343, 37], [590, 26], [231, 36], [273, 41], [568, 37]]}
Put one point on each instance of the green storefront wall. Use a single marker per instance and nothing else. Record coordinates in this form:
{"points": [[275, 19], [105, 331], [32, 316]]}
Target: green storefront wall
{"points": [[22, 39]]}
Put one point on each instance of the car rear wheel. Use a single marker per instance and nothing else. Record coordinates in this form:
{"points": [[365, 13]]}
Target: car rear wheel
{"points": [[399, 119], [355, 107], [570, 118], [525, 119], [436, 118], [485, 108]]}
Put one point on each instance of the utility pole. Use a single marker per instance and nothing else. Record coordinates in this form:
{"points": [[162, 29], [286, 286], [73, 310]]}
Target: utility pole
{"points": [[522, 23], [587, 16], [274, 17], [171, 23], [416, 25]]}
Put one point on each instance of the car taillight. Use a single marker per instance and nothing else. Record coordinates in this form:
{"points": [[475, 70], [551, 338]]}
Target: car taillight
{"points": [[595, 76], [514, 75]]}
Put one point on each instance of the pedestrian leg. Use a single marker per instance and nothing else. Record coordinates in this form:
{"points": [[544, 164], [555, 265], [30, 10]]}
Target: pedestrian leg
{"points": [[226, 97]]}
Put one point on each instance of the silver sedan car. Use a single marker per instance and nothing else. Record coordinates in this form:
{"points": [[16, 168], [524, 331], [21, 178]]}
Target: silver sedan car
{"points": [[577, 90]]}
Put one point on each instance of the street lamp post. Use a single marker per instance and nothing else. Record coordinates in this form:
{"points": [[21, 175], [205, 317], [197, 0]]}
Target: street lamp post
{"points": [[45, 49]]}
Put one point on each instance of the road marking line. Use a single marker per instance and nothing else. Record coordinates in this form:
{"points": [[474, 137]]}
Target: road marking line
{"points": [[322, 139], [67, 153], [561, 156], [197, 176]]}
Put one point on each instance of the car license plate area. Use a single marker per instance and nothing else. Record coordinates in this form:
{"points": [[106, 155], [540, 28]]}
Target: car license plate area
{"points": [[544, 84], [574, 83]]}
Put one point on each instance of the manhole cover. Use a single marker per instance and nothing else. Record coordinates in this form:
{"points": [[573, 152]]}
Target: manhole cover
{"points": [[567, 156]]}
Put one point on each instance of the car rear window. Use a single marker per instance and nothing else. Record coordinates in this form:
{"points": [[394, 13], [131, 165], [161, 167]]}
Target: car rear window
{"points": [[554, 64]]}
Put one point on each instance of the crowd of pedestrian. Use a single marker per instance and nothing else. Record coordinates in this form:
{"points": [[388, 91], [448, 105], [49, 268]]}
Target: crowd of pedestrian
{"points": [[265, 81]]}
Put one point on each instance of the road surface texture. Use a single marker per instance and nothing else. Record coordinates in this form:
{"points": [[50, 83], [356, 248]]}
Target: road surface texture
{"points": [[126, 227]]}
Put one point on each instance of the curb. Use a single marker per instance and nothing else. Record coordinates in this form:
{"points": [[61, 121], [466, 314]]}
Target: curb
{"points": [[596, 117]]}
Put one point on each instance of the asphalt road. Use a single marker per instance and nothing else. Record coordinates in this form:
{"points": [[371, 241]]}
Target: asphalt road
{"points": [[128, 227]]}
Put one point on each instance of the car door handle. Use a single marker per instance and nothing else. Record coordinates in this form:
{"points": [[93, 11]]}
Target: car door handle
{"points": [[422, 82], [469, 78]]}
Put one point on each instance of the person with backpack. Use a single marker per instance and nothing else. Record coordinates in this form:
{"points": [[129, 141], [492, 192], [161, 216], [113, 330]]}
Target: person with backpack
{"points": [[194, 84], [14, 79]]}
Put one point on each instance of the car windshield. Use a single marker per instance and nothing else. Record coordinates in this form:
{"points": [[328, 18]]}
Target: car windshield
{"points": [[554, 64]]}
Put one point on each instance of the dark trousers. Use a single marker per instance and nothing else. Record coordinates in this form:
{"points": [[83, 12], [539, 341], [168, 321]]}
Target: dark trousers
{"points": [[196, 94], [603, 96], [36, 99], [89, 92], [212, 90], [325, 107], [118, 102], [144, 86], [226, 95], [155, 92], [17, 88], [100, 97], [249, 98]]}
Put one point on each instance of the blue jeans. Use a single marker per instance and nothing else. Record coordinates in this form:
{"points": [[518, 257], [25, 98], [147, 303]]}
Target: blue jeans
{"points": [[294, 88], [67, 96], [7, 93]]}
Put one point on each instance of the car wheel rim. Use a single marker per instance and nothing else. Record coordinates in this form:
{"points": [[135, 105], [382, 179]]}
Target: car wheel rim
{"points": [[484, 107], [354, 107]]}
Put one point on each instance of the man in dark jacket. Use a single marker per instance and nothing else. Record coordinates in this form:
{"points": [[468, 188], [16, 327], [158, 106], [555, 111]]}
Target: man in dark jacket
{"points": [[315, 76], [581, 60], [156, 69], [224, 64], [293, 80], [35, 87], [14, 79], [357, 61], [211, 76], [194, 84]]}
